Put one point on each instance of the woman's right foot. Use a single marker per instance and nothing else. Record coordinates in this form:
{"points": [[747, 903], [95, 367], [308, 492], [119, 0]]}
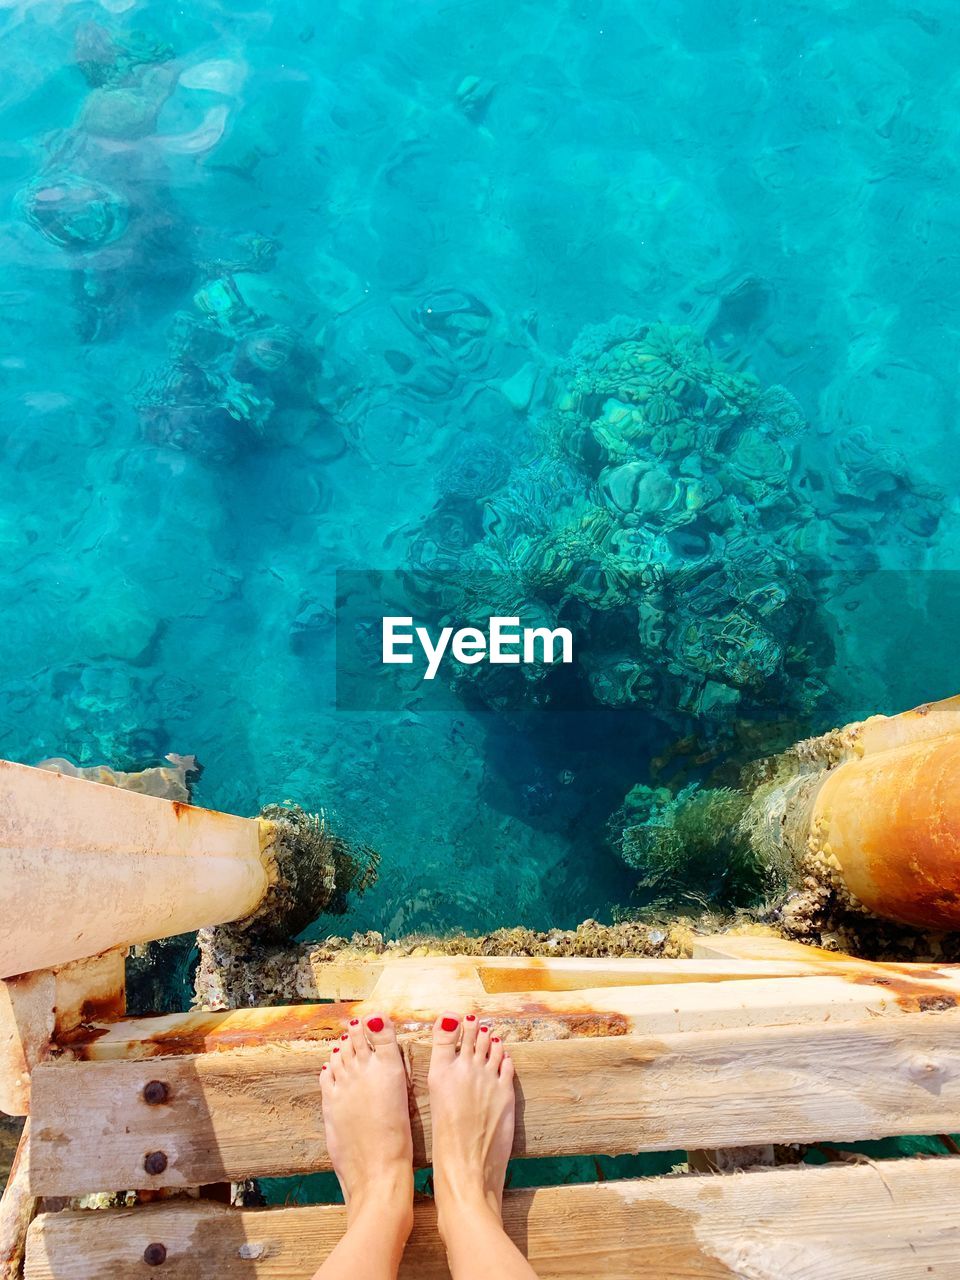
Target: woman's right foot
{"points": [[366, 1116], [472, 1105]]}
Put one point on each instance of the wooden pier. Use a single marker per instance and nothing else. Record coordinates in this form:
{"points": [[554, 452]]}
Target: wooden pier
{"points": [[750, 1043]]}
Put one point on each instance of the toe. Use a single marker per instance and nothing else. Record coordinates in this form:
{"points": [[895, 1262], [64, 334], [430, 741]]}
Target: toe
{"points": [[336, 1062], [496, 1053], [446, 1033], [506, 1070], [346, 1056], [471, 1024], [381, 1033], [483, 1040], [358, 1041]]}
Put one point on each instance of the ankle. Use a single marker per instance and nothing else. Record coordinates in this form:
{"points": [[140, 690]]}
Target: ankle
{"points": [[463, 1201], [387, 1197]]}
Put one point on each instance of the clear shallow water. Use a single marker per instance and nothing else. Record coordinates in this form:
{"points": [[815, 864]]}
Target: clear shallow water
{"points": [[784, 182]]}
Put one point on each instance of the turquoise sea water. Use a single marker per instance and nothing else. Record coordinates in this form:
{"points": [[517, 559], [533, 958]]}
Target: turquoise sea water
{"points": [[280, 278]]}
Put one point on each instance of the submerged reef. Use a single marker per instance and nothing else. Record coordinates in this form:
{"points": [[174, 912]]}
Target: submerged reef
{"points": [[664, 511], [779, 847], [690, 845], [238, 371]]}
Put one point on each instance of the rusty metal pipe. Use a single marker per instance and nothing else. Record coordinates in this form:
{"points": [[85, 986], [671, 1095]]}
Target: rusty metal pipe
{"points": [[85, 868], [888, 823]]}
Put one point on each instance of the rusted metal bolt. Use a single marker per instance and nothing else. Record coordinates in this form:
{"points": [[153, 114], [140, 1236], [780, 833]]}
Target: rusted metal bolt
{"points": [[155, 1092], [155, 1162], [154, 1255]]}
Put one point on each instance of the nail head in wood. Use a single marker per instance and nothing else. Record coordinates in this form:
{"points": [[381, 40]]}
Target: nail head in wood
{"points": [[155, 1092], [155, 1162], [154, 1255]]}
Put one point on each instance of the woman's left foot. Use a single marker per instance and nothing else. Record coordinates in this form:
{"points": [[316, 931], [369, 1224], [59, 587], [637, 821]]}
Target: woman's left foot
{"points": [[366, 1116]]}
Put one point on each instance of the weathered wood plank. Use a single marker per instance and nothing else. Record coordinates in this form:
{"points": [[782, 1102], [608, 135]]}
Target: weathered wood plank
{"points": [[37, 1009], [358, 978], [17, 1209], [255, 1112], [769, 947], [892, 1221], [645, 1009], [503, 974]]}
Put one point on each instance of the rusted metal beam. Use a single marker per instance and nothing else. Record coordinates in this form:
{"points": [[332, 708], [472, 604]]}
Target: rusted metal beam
{"points": [[86, 868], [887, 825]]}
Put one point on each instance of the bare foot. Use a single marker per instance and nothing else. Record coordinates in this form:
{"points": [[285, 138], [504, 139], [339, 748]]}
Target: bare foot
{"points": [[366, 1116], [473, 1107]]}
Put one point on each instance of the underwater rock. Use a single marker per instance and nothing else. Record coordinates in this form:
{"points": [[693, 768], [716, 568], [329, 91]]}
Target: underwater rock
{"points": [[186, 407], [477, 467], [74, 213], [689, 845], [121, 114], [663, 510], [239, 371], [473, 96], [97, 711], [519, 388], [169, 782], [104, 59]]}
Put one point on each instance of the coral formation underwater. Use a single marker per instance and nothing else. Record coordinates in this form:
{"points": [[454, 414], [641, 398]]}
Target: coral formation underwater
{"points": [[664, 511], [238, 372], [690, 845], [313, 871]]}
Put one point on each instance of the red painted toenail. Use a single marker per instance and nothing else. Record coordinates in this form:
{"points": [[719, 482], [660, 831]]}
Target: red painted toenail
{"points": [[344, 1036], [484, 1028], [375, 1024], [324, 1067], [450, 1024], [495, 1040], [354, 1022], [336, 1048], [471, 1017]]}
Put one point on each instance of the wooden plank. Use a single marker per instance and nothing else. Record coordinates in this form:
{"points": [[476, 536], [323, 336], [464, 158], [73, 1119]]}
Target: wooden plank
{"points": [[256, 1112], [357, 978], [17, 1209], [37, 1009], [770, 947], [892, 1221], [534, 973], [647, 1009]]}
